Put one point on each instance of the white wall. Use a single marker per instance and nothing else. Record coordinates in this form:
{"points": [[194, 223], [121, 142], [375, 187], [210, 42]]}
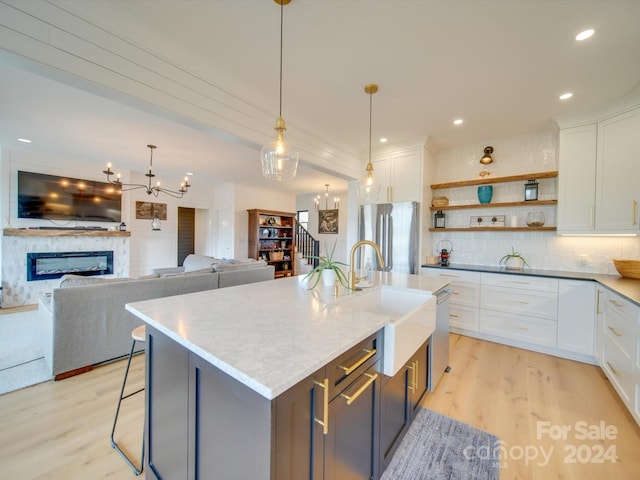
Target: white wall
{"points": [[149, 249], [536, 152]]}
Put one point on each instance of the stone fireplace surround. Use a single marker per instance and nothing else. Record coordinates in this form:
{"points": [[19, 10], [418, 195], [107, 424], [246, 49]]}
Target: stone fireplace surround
{"points": [[16, 243]]}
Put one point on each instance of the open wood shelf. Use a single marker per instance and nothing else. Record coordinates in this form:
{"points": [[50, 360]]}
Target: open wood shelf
{"points": [[487, 180], [530, 203], [494, 229]]}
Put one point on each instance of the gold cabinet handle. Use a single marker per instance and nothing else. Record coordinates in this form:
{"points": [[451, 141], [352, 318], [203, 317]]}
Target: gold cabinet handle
{"points": [[412, 379], [449, 275], [633, 212], [617, 304], [518, 281], [417, 373], [325, 402], [453, 315], [516, 327], [613, 370], [354, 397], [615, 332], [349, 370], [598, 311], [522, 302], [591, 216]]}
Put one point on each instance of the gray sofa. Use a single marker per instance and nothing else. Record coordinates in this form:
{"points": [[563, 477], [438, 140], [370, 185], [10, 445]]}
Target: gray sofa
{"points": [[87, 320]]}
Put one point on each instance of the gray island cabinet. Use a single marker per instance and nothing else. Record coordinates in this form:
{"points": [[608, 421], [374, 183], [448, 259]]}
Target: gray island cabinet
{"points": [[203, 424], [271, 381]]}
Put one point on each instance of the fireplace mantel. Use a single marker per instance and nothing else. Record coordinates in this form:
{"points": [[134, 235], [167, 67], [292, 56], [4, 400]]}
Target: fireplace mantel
{"points": [[33, 232]]}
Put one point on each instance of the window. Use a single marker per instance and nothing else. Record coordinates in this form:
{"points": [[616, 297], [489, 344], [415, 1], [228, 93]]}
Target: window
{"points": [[303, 219]]}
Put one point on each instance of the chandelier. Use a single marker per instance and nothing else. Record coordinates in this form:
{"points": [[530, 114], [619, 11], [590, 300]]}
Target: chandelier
{"points": [[155, 190], [336, 200], [279, 159], [369, 189]]}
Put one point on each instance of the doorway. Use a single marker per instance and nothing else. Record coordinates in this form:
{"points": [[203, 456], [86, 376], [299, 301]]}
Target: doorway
{"points": [[186, 233]]}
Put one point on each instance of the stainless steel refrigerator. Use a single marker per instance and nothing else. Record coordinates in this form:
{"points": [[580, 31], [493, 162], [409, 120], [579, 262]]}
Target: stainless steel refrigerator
{"points": [[394, 227]]}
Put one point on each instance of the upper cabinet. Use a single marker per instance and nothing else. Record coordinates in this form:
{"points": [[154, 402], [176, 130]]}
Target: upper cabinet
{"points": [[399, 175], [599, 171]]}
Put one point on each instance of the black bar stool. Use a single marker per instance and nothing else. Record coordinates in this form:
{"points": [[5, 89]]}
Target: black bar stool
{"points": [[138, 335]]}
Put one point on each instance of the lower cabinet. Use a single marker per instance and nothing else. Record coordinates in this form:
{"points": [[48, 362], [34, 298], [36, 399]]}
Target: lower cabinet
{"points": [[203, 424], [400, 399]]}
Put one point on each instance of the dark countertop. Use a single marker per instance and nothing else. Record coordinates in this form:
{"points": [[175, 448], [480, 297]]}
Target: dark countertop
{"points": [[626, 287]]}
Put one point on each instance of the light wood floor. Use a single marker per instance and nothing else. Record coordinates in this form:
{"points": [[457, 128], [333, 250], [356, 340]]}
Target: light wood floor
{"points": [[506, 391], [60, 430]]}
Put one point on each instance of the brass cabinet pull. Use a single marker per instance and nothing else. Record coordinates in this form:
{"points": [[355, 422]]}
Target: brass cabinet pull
{"points": [[412, 379], [613, 370], [325, 402], [516, 327], [615, 332], [617, 304], [591, 222], [453, 315], [417, 373], [354, 397], [520, 301], [449, 275], [349, 370], [633, 212], [518, 281], [598, 311]]}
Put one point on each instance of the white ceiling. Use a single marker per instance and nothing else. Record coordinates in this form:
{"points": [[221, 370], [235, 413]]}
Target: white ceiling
{"points": [[500, 65]]}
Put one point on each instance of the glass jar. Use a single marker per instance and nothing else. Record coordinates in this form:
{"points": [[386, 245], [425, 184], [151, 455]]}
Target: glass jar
{"points": [[535, 219]]}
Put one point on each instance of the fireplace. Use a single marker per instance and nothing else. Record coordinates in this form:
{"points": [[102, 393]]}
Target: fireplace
{"points": [[49, 265]]}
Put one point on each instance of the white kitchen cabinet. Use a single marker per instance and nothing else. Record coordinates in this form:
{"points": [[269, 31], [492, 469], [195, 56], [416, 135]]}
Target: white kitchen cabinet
{"points": [[618, 173], [618, 335], [599, 171], [577, 179], [576, 316], [400, 176]]}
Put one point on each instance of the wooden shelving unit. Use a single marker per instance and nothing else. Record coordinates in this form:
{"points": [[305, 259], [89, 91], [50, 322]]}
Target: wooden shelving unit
{"points": [[488, 181], [492, 181], [271, 238]]}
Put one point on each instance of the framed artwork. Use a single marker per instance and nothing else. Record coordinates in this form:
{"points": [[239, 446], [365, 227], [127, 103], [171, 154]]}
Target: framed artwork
{"points": [[328, 221], [145, 210]]}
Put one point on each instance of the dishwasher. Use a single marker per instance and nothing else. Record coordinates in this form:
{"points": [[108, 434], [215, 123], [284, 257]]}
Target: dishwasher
{"points": [[439, 347]]}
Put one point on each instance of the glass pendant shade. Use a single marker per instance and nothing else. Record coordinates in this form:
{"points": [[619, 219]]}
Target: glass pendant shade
{"points": [[155, 223], [279, 158], [369, 189]]}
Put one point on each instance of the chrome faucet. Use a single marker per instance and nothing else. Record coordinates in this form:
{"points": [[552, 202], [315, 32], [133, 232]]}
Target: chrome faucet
{"points": [[354, 278]]}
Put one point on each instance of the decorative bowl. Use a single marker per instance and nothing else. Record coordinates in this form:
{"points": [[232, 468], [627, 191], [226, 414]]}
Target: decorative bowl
{"points": [[628, 268]]}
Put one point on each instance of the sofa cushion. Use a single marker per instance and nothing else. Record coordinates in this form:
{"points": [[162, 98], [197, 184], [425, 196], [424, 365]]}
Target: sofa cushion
{"points": [[237, 265], [182, 274], [70, 280], [195, 262]]}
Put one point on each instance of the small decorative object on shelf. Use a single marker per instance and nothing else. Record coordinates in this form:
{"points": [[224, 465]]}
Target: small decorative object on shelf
{"points": [[439, 202], [123, 227], [535, 219], [485, 192], [439, 219], [531, 190], [487, 221], [513, 260]]}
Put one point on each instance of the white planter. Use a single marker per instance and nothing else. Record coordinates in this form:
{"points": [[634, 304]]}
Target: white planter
{"points": [[329, 277], [514, 263]]}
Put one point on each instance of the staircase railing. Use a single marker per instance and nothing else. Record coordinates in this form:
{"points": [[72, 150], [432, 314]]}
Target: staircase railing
{"points": [[307, 245]]}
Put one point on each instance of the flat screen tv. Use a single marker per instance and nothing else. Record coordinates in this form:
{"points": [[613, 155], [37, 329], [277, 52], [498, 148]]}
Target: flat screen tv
{"points": [[50, 197]]}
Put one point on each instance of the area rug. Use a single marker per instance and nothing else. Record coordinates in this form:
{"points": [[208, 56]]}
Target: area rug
{"points": [[438, 448]]}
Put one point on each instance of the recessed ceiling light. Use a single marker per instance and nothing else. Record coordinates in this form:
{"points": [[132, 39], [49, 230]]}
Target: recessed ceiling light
{"points": [[190, 174], [24, 140], [566, 96], [585, 34], [383, 140], [458, 121]]}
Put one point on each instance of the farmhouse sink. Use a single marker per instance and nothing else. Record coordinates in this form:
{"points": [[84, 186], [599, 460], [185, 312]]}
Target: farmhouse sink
{"points": [[412, 315]]}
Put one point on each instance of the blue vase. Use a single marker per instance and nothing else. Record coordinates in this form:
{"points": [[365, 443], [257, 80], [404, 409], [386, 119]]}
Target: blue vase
{"points": [[485, 192]]}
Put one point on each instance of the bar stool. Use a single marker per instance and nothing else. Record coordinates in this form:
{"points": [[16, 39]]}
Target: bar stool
{"points": [[138, 335]]}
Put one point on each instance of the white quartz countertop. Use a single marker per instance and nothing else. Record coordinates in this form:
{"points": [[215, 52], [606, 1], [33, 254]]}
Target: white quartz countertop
{"points": [[270, 335]]}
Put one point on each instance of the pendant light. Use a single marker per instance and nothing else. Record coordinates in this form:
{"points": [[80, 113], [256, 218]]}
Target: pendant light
{"points": [[369, 189], [279, 159]]}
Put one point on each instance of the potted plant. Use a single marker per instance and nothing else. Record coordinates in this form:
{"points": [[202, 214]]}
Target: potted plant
{"points": [[514, 260], [328, 269]]}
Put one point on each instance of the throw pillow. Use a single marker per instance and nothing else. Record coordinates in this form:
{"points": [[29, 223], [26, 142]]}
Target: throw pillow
{"points": [[195, 262]]}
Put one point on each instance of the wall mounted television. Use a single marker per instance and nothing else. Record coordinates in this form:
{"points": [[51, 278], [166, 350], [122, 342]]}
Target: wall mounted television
{"points": [[51, 197]]}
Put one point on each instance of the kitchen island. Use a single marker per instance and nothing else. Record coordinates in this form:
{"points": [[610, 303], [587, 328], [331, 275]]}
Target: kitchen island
{"points": [[243, 382]]}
